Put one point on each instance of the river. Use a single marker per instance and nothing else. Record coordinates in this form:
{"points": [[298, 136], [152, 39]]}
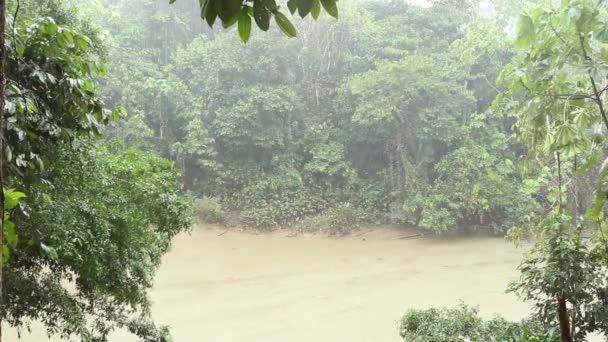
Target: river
{"points": [[272, 288]]}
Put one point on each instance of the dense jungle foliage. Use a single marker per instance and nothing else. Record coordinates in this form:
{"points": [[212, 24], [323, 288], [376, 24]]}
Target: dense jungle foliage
{"points": [[446, 118], [382, 116], [88, 221]]}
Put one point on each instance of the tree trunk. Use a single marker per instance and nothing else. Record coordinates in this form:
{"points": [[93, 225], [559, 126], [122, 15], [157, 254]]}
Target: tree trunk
{"points": [[564, 322], [2, 140], [575, 193]]}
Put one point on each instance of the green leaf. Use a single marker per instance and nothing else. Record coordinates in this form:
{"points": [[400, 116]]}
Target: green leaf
{"points": [[31, 106], [604, 53], [330, 7], [20, 49], [49, 251], [68, 36], [523, 76], [81, 42], [244, 26], [123, 111], [9, 233], [231, 21], [100, 69], [285, 25], [171, 1], [304, 7], [11, 198], [597, 210], [227, 9], [316, 9], [209, 12], [50, 28], [203, 4], [261, 15], [525, 32], [565, 134], [292, 5], [271, 5], [589, 163]]}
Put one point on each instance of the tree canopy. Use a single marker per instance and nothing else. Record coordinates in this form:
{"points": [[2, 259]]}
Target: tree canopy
{"points": [[353, 114], [85, 223], [556, 85]]}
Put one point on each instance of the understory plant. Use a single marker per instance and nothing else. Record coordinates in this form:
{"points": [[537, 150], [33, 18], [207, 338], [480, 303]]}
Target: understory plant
{"points": [[465, 324]]}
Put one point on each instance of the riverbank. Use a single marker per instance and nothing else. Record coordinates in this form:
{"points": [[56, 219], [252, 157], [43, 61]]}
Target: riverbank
{"points": [[378, 231]]}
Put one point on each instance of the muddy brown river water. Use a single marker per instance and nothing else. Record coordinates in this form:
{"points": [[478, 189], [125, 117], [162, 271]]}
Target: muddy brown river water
{"points": [[272, 288]]}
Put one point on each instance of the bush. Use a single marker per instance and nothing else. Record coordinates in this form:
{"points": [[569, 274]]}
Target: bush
{"points": [[475, 187], [209, 210], [329, 168], [465, 324], [313, 223], [346, 217], [277, 200], [339, 220], [375, 195]]}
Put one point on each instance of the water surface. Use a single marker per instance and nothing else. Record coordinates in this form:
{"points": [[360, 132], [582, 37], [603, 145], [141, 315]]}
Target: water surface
{"points": [[270, 288]]}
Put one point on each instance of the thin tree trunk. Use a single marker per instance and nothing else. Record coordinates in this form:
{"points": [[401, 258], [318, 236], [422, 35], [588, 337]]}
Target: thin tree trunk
{"points": [[575, 182], [562, 309], [564, 322], [2, 137]]}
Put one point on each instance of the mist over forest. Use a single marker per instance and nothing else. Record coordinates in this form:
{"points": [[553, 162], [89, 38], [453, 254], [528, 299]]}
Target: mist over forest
{"points": [[382, 116], [402, 125]]}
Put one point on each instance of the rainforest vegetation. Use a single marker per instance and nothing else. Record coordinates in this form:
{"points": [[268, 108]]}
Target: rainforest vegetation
{"points": [[382, 116], [126, 119]]}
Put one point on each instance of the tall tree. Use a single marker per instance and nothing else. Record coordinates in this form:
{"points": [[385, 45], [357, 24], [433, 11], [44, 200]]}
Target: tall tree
{"points": [[66, 230], [557, 87], [2, 142]]}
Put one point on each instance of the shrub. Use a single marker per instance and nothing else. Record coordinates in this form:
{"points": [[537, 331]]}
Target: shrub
{"points": [[475, 187], [329, 168], [346, 217], [313, 223], [276, 200], [209, 210], [339, 220], [465, 324], [374, 195]]}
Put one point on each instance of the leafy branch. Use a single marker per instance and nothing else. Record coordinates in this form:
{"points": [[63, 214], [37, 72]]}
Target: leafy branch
{"points": [[596, 93]]}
